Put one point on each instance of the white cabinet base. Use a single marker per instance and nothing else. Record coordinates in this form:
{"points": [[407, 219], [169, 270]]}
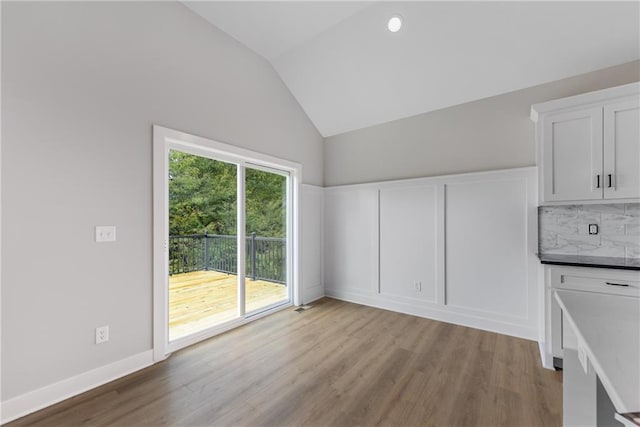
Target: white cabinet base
{"points": [[583, 279]]}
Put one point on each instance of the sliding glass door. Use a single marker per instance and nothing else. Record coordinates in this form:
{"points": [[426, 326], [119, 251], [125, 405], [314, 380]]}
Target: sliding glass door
{"points": [[266, 236], [203, 284], [228, 242]]}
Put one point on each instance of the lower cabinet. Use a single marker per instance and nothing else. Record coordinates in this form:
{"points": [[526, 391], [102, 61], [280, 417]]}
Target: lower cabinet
{"points": [[457, 248], [600, 280]]}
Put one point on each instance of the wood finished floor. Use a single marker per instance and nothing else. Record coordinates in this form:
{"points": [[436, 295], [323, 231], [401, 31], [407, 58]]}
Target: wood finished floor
{"points": [[337, 364]]}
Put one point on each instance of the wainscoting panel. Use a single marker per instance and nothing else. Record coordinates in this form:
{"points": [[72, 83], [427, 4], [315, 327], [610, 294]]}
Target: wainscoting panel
{"points": [[468, 241], [408, 237], [312, 286], [351, 239], [486, 251]]}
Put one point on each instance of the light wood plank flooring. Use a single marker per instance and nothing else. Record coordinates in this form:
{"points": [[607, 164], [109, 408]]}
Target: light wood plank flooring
{"points": [[202, 299], [336, 364]]}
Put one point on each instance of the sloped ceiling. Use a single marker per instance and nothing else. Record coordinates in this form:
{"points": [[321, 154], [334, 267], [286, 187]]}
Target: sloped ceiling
{"points": [[348, 71]]}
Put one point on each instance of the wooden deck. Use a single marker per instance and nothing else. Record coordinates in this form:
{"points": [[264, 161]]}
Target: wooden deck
{"points": [[202, 299]]}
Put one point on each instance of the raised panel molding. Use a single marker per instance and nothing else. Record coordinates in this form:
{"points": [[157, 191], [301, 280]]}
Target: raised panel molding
{"points": [[351, 239], [483, 265], [486, 249], [408, 242]]}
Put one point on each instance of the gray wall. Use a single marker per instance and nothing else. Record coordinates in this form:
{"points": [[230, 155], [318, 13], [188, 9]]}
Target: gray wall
{"points": [[82, 85], [492, 133]]}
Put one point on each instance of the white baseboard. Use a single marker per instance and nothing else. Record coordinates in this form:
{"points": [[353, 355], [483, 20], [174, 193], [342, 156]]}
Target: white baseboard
{"points": [[441, 314], [32, 401], [547, 359], [313, 293]]}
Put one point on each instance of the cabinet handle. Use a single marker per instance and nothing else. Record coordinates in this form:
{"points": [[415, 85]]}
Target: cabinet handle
{"points": [[616, 284], [598, 181], [609, 180]]}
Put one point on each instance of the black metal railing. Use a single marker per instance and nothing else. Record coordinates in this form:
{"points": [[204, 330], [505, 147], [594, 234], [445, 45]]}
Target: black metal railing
{"points": [[266, 256]]}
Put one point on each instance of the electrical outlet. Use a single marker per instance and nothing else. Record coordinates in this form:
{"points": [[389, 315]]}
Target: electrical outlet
{"points": [[105, 233], [102, 334]]}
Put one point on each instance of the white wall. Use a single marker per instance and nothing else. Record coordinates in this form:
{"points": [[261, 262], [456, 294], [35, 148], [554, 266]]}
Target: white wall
{"points": [[468, 240], [492, 133], [312, 285], [83, 83]]}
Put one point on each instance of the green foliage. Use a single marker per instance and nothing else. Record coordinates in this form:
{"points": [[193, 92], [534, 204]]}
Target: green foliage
{"points": [[202, 197], [265, 203]]}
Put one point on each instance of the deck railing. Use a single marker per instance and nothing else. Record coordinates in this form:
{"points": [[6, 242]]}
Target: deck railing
{"points": [[266, 256]]}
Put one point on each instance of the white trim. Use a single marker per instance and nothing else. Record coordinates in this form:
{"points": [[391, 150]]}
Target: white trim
{"points": [[294, 228], [165, 139], [377, 249], [588, 202], [547, 359], [241, 242], [32, 401], [224, 151], [0, 214], [440, 179], [431, 312], [441, 249], [314, 293], [160, 244], [583, 100], [316, 290]]}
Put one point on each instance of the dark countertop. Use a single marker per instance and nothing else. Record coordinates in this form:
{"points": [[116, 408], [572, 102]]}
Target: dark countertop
{"points": [[591, 261]]}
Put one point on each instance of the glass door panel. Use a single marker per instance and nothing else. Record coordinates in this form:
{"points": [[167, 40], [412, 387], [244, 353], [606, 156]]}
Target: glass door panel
{"points": [[203, 283], [266, 281]]}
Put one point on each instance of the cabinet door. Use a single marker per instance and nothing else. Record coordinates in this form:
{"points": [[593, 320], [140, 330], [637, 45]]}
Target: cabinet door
{"points": [[572, 155], [622, 150]]}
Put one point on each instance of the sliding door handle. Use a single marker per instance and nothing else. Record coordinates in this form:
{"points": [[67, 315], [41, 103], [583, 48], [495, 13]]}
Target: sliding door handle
{"points": [[598, 181], [609, 181]]}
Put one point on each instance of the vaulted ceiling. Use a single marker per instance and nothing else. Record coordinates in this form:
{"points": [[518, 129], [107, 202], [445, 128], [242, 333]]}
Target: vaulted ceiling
{"points": [[348, 71]]}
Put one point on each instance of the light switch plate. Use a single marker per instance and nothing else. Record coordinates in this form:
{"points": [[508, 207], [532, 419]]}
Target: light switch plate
{"points": [[105, 233]]}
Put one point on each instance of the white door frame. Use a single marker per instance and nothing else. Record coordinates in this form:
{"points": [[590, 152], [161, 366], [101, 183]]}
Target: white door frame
{"points": [[165, 139]]}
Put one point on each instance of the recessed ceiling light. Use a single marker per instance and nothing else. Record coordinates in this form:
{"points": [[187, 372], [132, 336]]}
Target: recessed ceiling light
{"points": [[395, 23]]}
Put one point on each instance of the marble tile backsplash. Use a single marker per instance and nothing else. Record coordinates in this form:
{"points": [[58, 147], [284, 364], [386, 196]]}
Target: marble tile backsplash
{"points": [[564, 230]]}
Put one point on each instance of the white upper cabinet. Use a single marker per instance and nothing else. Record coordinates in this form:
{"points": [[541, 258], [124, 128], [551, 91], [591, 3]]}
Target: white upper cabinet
{"points": [[622, 150], [573, 155], [589, 146]]}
